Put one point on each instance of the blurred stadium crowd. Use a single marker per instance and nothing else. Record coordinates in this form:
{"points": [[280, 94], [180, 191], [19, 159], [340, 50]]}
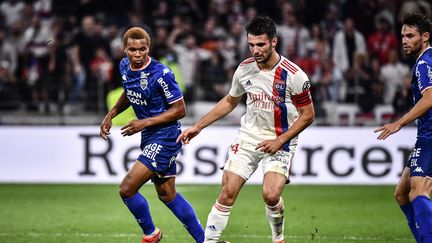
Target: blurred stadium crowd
{"points": [[60, 58]]}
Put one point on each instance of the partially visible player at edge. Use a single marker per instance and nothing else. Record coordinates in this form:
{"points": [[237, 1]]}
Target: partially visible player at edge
{"points": [[155, 96], [415, 185], [279, 107]]}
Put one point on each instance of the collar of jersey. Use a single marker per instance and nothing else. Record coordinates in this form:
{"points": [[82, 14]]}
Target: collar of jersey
{"points": [[143, 67]]}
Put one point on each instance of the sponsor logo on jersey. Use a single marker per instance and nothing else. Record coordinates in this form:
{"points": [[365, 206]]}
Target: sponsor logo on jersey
{"points": [[135, 97], [151, 150], [306, 85], [124, 77], [164, 86], [429, 74]]}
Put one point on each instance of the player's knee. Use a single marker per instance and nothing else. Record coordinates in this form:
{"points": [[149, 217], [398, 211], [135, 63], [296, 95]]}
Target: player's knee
{"points": [[126, 191], [271, 198], [401, 198], [227, 198], [166, 196]]}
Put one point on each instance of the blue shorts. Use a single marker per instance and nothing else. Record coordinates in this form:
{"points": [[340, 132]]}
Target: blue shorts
{"points": [[420, 160], [159, 152]]}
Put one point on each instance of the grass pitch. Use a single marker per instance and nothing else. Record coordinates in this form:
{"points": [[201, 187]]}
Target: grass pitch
{"points": [[95, 213]]}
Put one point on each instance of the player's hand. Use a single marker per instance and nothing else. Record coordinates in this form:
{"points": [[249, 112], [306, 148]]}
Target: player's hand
{"points": [[133, 127], [270, 146], [387, 130], [105, 128], [187, 135]]}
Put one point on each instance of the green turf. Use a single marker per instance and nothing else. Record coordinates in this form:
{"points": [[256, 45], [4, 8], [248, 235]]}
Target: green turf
{"points": [[94, 213]]}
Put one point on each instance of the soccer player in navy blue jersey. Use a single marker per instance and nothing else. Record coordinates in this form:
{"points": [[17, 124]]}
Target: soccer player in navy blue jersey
{"points": [[415, 186], [155, 96]]}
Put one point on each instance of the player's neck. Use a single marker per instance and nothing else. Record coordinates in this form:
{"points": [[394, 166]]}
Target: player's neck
{"points": [[271, 62], [143, 65], [425, 47]]}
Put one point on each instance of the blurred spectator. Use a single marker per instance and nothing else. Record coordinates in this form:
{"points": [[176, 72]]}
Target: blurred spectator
{"points": [[382, 40], [8, 52], [359, 84], [9, 94], [347, 44], [161, 16], [87, 40], [210, 34], [293, 35], [377, 87], [159, 46], [189, 56], [12, 11], [393, 74], [214, 78], [402, 101], [37, 40], [330, 24], [326, 84], [412, 6]]}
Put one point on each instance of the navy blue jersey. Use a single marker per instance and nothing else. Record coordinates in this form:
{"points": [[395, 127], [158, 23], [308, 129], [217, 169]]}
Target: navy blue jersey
{"points": [[150, 90], [422, 80]]}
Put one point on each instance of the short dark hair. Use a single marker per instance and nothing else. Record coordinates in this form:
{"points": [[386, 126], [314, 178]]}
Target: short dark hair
{"points": [[260, 25], [420, 21]]}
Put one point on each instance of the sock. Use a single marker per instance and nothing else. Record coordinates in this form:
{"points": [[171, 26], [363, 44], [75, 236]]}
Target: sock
{"points": [[216, 222], [423, 216], [408, 210], [139, 207], [185, 213], [275, 217]]}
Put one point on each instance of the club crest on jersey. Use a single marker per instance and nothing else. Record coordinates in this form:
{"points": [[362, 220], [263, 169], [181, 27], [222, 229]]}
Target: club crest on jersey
{"points": [[279, 84], [144, 81]]}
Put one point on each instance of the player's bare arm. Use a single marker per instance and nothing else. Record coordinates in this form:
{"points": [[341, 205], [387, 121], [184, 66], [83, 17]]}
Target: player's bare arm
{"points": [[307, 116], [222, 108], [176, 112], [121, 105], [424, 104]]}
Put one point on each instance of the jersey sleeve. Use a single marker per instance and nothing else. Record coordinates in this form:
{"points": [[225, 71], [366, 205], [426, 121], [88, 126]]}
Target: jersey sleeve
{"points": [[423, 73], [169, 86], [300, 89], [236, 88]]}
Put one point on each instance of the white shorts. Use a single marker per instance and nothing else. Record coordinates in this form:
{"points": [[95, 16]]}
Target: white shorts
{"points": [[243, 160]]}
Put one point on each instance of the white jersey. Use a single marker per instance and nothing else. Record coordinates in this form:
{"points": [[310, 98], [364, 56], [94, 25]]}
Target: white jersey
{"points": [[272, 99]]}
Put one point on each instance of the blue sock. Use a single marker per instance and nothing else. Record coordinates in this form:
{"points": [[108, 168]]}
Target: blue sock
{"points": [[423, 216], [139, 207], [185, 213], [408, 210]]}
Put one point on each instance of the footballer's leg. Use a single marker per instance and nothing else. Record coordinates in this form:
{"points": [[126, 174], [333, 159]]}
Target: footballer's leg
{"points": [[273, 185], [276, 169], [402, 198], [180, 207], [137, 204], [219, 214], [421, 188]]}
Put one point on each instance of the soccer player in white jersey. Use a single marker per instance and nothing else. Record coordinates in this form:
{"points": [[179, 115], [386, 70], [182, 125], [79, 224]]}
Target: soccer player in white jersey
{"points": [[279, 107]]}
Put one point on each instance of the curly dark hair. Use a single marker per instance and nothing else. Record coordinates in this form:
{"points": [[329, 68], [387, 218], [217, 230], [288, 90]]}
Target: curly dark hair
{"points": [[419, 21], [260, 25]]}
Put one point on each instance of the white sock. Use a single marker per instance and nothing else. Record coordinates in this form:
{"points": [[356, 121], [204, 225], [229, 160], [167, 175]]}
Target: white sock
{"points": [[275, 216], [216, 222]]}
